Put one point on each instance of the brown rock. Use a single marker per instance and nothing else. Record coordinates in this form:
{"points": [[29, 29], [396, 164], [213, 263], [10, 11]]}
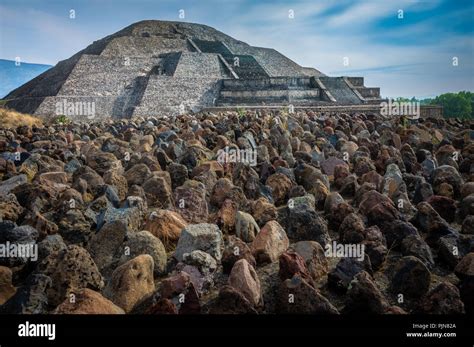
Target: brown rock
{"points": [[313, 255], [10, 209], [443, 299], [296, 296], [263, 211], [190, 202], [165, 225], [158, 192], [118, 181], [269, 243], [138, 174], [180, 285], [87, 301], [220, 191], [131, 282], [226, 216], [378, 208], [363, 296], [446, 207], [290, 264], [231, 301], [163, 306], [281, 186], [328, 166], [7, 290], [53, 177], [352, 229], [70, 269], [411, 277], [235, 250], [465, 268], [244, 278]]}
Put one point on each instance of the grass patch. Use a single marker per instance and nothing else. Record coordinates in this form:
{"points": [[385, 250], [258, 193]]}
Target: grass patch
{"points": [[12, 119]]}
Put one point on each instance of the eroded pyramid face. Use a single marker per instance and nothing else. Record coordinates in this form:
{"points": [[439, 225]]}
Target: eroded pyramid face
{"points": [[153, 68]]}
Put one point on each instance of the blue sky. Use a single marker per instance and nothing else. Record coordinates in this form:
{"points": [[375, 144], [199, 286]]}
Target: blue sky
{"points": [[412, 56]]}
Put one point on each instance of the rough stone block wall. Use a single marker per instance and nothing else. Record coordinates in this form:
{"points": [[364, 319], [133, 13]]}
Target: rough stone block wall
{"points": [[369, 92], [276, 90], [356, 81], [196, 64], [134, 46], [113, 75], [172, 92], [268, 83], [103, 106], [274, 63]]}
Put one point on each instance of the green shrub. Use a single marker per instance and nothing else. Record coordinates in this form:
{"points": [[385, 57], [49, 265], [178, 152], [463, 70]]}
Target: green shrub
{"points": [[62, 119]]}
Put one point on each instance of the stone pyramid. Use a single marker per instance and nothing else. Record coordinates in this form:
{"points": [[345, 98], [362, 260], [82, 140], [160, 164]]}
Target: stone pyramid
{"points": [[154, 68]]}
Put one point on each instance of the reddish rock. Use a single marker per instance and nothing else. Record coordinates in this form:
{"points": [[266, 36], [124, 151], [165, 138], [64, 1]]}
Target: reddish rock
{"points": [[291, 263], [179, 287], [263, 211], [328, 166], [87, 301], [165, 225], [378, 208], [163, 306], [372, 177], [269, 243], [190, 202], [280, 185], [244, 278], [313, 255], [235, 250], [443, 299], [226, 216]]}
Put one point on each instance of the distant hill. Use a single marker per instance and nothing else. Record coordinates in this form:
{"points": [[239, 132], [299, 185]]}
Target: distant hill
{"points": [[12, 76]]}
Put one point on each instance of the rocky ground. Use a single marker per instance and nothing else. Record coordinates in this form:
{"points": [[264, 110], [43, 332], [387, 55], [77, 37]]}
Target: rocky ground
{"points": [[139, 216]]}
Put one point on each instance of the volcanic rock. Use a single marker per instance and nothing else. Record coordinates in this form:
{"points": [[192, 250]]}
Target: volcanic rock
{"points": [[204, 237], [269, 243], [87, 301], [411, 277], [131, 282]]}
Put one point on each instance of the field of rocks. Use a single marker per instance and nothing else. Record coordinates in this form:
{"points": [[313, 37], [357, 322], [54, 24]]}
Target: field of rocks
{"points": [[138, 216]]}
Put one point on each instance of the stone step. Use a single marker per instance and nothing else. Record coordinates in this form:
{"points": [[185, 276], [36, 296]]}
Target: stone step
{"points": [[212, 47], [340, 90], [267, 101], [296, 94], [245, 66], [268, 96], [273, 83]]}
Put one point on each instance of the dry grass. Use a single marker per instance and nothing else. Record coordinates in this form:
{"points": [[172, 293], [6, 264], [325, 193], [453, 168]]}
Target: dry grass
{"points": [[12, 119]]}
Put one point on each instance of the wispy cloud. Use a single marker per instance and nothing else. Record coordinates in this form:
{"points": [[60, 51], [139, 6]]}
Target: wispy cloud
{"points": [[411, 56]]}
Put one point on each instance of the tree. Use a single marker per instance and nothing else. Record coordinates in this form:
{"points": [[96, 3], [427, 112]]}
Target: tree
{"points": [[455, 104]]}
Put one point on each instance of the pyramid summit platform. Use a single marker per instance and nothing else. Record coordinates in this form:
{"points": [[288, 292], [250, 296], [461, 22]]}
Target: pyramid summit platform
{"points": [[153, 68]]}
